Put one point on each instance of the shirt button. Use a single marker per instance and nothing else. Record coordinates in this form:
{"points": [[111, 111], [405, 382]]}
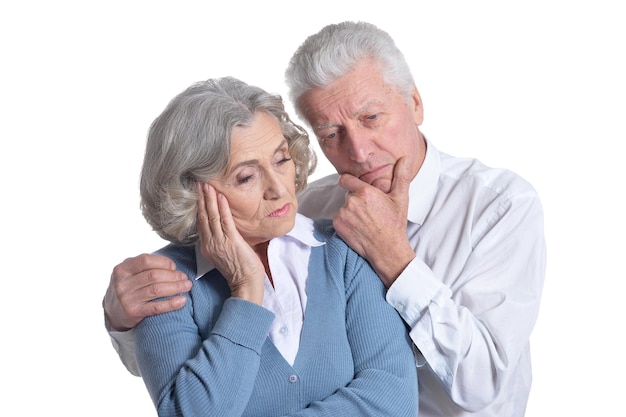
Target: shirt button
{"points": [[399, 307], [283, 330], [293, 378]]}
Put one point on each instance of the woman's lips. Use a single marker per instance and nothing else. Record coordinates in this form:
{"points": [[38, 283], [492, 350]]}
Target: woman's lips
{"points": [[281, 212]]}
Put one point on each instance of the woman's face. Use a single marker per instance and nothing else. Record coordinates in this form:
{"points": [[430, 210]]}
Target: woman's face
{"points": [[259, 182]]}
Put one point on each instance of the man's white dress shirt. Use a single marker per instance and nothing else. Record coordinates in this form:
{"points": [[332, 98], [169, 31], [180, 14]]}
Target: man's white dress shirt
{"points": [[472, 293]]}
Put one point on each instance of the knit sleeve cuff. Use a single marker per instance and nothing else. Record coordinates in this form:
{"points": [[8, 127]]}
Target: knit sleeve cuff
{"points": [[244, 323]]}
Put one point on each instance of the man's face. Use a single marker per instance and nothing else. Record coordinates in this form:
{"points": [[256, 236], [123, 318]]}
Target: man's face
{"points": [[364, 126]]}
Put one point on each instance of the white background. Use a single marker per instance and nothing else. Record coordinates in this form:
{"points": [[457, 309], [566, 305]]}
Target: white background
{"points": [[535, 86]]}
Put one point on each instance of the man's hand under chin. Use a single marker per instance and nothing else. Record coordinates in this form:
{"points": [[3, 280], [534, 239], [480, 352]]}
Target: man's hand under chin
{"points": [[373, 223]]}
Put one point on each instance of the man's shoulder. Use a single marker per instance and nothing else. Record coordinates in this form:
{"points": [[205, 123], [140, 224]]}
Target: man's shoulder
{"points": [[502, 181], [322, 198], [329, 181]]}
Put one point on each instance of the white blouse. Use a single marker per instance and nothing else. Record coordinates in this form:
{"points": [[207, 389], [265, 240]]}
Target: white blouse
{"points": [[288, 257]]}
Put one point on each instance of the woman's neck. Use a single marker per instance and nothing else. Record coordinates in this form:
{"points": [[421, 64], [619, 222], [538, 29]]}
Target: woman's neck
{"points": [[261, 251]]}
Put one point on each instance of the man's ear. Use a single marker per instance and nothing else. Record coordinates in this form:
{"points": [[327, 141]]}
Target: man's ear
{"points": [[416, 106]]}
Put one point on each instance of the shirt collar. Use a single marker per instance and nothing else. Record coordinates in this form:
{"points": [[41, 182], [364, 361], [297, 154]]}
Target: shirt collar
{"points": [[424, 186], [302, 232]]}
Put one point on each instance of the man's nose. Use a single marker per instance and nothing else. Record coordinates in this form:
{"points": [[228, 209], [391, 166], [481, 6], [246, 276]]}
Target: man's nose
{"points": [[358, 143]]}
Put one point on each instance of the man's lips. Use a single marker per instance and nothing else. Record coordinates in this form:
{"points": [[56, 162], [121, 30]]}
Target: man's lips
{"points": [[374, 174], [281, 212]]}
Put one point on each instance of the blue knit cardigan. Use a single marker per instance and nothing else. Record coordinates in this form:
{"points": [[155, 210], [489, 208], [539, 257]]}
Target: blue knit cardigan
{"points": [[214, 357]]}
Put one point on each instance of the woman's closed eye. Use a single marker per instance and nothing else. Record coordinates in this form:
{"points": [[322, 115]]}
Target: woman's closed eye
{"points": [[245, 176]]}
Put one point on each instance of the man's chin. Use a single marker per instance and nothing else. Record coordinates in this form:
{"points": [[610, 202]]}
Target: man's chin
{"points": [[383, 184]]}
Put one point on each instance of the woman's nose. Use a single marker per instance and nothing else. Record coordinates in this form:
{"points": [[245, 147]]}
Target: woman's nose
{"points": [[274, 187]]}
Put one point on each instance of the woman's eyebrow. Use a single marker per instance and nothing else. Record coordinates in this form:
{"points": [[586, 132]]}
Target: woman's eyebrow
{"points": [[256, 161]]}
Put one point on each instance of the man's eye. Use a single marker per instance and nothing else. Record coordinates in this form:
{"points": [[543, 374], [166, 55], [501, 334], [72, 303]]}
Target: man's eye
{"points": [[331, 136], [372, 117]]}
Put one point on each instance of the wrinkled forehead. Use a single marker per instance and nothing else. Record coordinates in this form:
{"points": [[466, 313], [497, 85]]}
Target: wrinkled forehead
{"points": [[258, 139], [347, 98]]}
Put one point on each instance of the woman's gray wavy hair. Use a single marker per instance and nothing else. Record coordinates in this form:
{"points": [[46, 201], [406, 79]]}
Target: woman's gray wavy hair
{"points": [[190, 142], [335, 50]]}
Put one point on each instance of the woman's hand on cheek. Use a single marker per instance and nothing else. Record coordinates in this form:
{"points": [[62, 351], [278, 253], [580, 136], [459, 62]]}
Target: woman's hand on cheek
{"points": [[222, 244]]}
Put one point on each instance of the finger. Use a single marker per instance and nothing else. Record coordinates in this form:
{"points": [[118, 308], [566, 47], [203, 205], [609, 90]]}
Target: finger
{"points": [[164, 306], [153, 285], [166, 287], [202, 214], [125, 304], [141, 311], [401, 180], [144, 285], [207, 213], [140, 263], [226, 215], [351, 183], [212, 209]]}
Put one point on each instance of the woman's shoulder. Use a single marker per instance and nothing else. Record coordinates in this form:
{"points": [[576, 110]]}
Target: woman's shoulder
{"points": [[323, 228], [183, 255], [325, 232], [336, 250]]}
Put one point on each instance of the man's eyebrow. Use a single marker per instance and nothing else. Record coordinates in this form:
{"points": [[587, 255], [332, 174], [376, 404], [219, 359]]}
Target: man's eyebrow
{"points": [[360, 110], [324, 126], [365, 106]]}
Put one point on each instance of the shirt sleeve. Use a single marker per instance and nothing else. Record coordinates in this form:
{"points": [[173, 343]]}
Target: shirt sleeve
{"points": [[385, 377], [124, 345], [473, 332]]}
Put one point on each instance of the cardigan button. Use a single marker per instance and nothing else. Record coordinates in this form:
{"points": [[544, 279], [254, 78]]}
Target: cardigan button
{"points": [[293, 378]]}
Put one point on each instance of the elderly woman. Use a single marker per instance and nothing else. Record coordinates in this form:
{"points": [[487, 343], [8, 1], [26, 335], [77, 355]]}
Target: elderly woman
{"points": [[283, 317]]}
